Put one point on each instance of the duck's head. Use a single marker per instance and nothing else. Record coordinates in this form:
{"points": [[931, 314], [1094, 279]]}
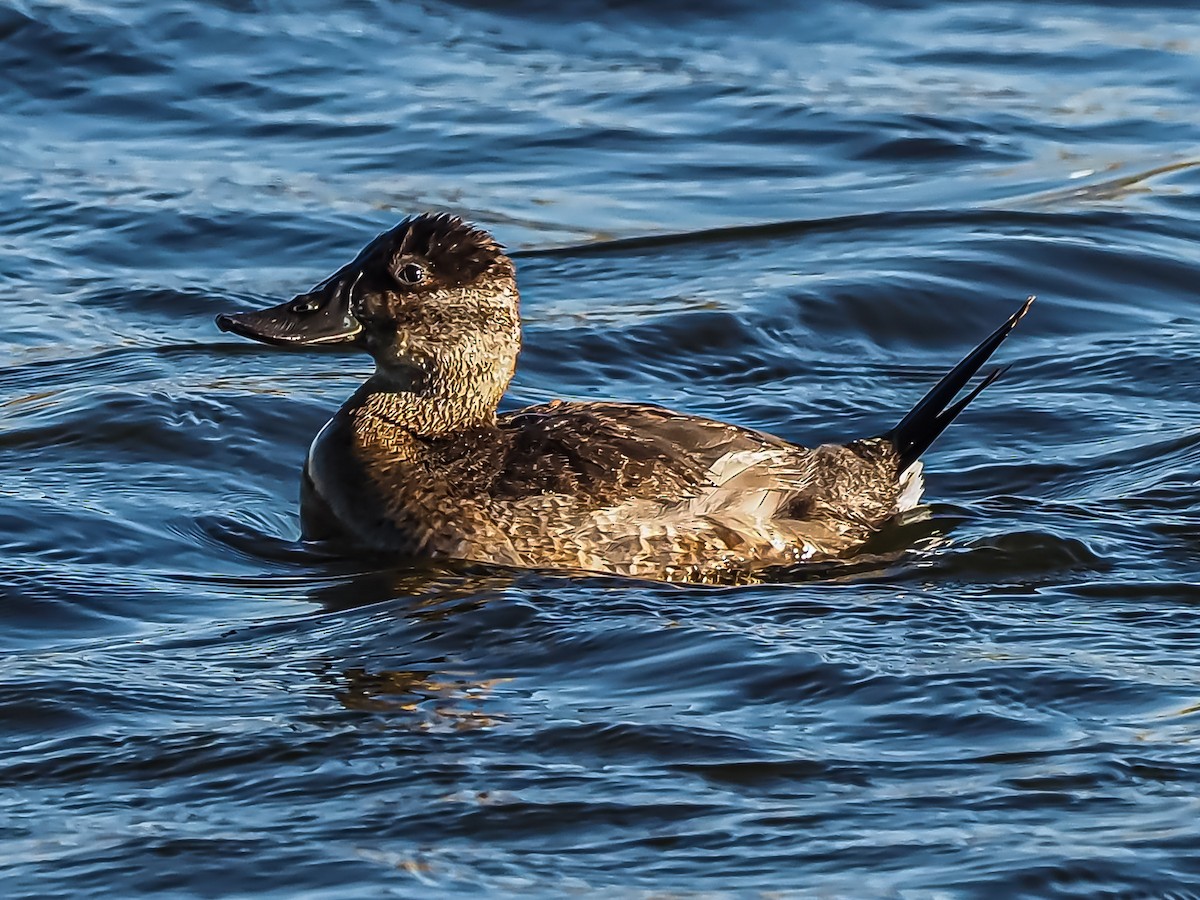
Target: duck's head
{"points": [[434, 301]]}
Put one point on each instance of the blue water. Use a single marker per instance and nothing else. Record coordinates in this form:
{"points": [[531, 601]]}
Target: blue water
{"points": [[793, 219]]}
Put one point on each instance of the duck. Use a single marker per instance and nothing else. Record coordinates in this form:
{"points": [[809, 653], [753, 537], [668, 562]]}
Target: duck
{"points": [[418, 464]]}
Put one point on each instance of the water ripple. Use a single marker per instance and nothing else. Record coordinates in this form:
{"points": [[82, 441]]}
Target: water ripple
{"points": [[795, 220]]}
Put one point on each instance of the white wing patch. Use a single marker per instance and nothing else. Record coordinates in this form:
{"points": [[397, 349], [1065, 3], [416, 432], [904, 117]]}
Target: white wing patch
{"points": [[748, 487], [912, 485]]}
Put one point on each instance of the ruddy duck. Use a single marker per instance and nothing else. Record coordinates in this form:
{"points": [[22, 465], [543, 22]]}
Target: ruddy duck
{"points": [[418, 464]]}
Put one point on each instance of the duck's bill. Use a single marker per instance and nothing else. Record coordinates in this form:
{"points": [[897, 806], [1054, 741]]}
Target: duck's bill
{"points": [[301, 322]]}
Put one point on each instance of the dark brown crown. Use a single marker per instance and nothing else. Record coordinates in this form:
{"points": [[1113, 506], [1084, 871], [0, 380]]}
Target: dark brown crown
{"points": [[458, 251]]}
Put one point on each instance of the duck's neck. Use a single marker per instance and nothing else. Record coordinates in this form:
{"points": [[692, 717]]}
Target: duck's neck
{"points": [[386, 412]]}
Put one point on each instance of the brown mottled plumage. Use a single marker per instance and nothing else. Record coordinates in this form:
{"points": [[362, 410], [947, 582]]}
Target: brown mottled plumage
{"points": [[418, 464]]}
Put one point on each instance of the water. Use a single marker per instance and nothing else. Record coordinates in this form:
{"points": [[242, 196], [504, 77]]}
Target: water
{"points": [[793, 220]]}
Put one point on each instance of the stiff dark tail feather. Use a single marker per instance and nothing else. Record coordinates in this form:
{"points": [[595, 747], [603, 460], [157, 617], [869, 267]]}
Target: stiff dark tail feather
{"points": [[929, 418]]}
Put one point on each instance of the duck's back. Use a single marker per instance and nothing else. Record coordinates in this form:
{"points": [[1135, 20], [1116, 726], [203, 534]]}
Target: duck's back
{"points": [[623, 488]]}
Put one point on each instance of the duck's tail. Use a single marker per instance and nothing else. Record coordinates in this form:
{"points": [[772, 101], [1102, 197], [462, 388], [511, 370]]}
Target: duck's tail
{"points": [[929, 418]]}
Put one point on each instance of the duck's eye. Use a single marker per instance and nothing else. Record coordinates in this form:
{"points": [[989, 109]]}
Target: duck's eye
{"points": [[305, 306], [411, 273]]}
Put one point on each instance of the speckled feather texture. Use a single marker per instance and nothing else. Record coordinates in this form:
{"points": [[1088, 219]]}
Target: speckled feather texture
{"points": [[417, 463], [603, 487]]}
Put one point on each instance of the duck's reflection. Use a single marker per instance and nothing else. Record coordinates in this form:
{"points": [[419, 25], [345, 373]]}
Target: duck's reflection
{"points": [[431, 590], [416, 684], [428, 700], [440, 641]]}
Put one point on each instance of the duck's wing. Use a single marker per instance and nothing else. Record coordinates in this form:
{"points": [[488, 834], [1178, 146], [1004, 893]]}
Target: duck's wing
{"points": [[612, 452], [645, 491], [649, 488]]}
